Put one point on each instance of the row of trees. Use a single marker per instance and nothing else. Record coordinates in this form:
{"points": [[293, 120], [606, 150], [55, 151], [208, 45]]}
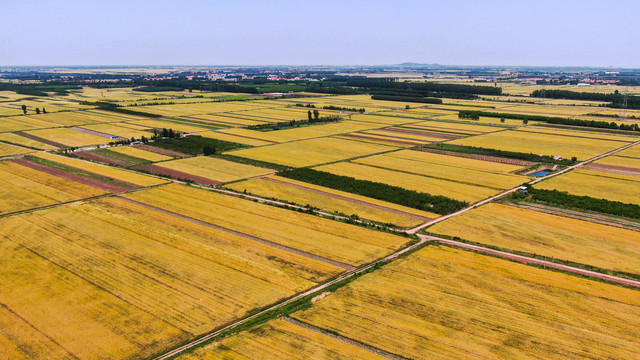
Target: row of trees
{"points": [[587, 203], [423, 86], [313, 119], [546, 159], [24, 110], [393, 194], [552, 120], [616, 99], [425, 100]]}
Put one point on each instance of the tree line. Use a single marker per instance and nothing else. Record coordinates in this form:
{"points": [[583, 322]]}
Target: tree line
{"points": [[552, 120], [418, 200], [587, 203], [616, 99], [545, 159]]}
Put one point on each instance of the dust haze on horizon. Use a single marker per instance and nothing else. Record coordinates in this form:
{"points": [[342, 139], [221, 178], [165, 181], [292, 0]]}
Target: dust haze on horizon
{"points": [[498, 33]]}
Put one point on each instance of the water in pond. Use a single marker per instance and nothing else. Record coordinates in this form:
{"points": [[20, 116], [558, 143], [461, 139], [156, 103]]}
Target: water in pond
{"points": [[540, 173]]}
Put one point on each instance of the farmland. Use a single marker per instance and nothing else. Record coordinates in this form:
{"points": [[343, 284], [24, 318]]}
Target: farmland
{"points": [[280, 339], [25, 188], [537, 143], [333, 200], [553, 236], [214, 169], [281, 218], [335, 241], [311, 152], [596, 184], [470, 171], [430, 185], [474, 306], [165, 278]]}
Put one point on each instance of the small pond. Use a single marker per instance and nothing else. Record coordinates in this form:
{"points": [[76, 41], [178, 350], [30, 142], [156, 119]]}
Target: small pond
{"points": [[540, 173]]}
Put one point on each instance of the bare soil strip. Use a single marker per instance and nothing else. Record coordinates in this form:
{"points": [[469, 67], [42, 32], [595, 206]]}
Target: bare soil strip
{"points": [[387, 140], [480, 157], [355, 201], [178, 174], [162, 151], [574, 214], [614, 169], [112, 188], [37, 138], [93, 132], [246, 236], [341, 338], [91, 155]]}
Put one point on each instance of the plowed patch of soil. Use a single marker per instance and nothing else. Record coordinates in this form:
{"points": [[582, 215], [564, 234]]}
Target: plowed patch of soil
{"points": [[178, 174], [112, 188], [162, 151], [93, 132], [614, 169], [481, 157], [90, 155]]}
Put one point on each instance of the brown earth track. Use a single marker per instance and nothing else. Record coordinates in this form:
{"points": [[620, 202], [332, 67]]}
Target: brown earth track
{"points": [[91, 155], [614, 169], [37, 138], [162, 151], [398, 142], [432, 133], [339, 197], [177, 174], [480, 157], [579, 215], [112, 188]]}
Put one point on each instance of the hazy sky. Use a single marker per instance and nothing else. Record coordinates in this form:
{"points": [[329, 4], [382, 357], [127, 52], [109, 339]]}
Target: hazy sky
{"points": [[114, 32]]}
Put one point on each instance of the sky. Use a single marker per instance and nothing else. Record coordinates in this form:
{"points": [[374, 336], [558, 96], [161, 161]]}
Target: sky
{"points": [[247, 32]]}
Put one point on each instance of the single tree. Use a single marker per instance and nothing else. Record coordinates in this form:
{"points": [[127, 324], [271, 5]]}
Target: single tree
{"points": [[37, 111], [44, 111], [309, 114], [525, 121], [501, 120], [24, 109], [316, 114]]}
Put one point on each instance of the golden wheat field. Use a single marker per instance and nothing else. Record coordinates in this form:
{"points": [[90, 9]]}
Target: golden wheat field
{"points": [[68, 137], [280, 339], [469, 171], [311, 152], [235, 138], [442, 303], [215, 169], [600, 185], [117, 130], [17, 139], [546, 144], [430, 185], [619, 161], [174, 125], [122, 175], [190, 277], [325, 238], [9, 150], [20, 123], [25, 188], [333, 200], [554, 236]]}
